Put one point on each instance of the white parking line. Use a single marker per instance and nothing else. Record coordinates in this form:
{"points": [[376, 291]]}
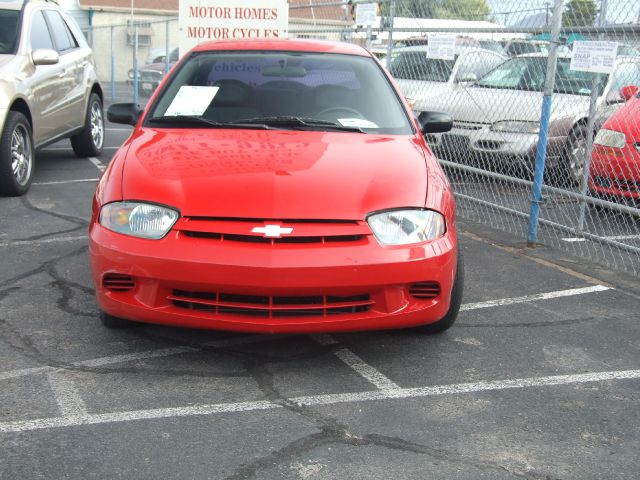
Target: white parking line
{"points": [[316, 400], [18, 243], [375, 377], [67, 397], [99, 165], [112, 129], [615, 237], [533, 298], [62, 182], [131, 357], [353, 361]]}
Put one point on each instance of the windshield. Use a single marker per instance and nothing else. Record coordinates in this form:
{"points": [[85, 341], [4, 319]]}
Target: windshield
{"points": [[297, 90], [528, 73], [8, 30], [416, 66]]}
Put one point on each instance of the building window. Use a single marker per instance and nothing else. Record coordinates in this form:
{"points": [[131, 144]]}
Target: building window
{"points": [[144, 33]]}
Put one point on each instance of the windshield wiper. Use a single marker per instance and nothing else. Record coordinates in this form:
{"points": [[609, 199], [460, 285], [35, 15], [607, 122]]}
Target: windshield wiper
{"points": [[298, 122], [193, 119]]}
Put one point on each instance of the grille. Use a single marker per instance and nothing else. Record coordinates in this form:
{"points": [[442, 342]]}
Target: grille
{"points": [[270, 306], [147, 76], [117, 282], [254, 239], [424, 290], [488, 144], [302, 231], [468, 125], [628, 185], [620, 184]]}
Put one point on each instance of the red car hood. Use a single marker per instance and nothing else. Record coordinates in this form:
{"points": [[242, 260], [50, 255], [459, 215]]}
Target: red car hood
{"points": [[274, 174]]}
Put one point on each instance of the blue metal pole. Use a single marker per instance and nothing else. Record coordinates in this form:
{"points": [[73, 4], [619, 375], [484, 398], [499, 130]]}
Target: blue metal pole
{"points": [[545, 115], [538, 176]]}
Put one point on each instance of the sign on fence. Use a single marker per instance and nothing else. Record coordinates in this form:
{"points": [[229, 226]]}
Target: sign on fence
{"points": [[441, 46], [596, 57], [366, 14], [205, 20]]}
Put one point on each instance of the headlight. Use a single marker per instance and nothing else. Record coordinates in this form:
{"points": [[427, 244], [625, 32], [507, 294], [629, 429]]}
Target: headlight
{"points": [[512, 126], [403, 227], [137, 219], [610, 138]]}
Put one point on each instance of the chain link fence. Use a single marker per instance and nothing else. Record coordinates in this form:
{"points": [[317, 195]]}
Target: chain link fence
{"points": [[538, 148]]}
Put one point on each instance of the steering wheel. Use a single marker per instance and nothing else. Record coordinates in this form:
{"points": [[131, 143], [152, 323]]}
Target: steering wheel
{"points": [[351, 111]]}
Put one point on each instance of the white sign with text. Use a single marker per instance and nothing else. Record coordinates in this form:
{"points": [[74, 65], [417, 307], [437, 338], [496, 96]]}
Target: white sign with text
{"points": [[441, 46], [366, 14], [206, 20], [596, 57]]}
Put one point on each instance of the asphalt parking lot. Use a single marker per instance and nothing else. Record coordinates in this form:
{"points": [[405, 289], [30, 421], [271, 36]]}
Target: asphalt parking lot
{"points": [[539, 379]]}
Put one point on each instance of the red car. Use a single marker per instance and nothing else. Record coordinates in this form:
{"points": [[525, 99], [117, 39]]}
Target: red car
{"points": [[276, 186], [615, 163]]}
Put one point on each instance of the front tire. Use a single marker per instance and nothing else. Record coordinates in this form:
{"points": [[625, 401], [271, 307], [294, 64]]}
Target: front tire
{"points": [[88, 143], [454, 307], [574, 158], [17, 157]]}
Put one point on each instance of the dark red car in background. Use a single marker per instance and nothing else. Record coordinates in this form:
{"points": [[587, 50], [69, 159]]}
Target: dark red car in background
{"points": [[615, 163]]}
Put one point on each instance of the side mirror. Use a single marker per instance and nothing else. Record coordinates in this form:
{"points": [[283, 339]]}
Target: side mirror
{"points": [[435, 122], [44, 56], [126, 113], [467, 77], [628, 91]]}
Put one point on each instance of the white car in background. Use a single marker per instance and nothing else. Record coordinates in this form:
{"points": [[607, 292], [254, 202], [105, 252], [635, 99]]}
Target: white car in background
{"points": [[422, 78]]}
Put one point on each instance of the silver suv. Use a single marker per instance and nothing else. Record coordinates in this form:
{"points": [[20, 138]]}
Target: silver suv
{"points": [[48, 89]]}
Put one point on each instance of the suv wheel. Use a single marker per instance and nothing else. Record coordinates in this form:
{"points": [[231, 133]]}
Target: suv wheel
{"points": [[16, 155], [88, 143]]}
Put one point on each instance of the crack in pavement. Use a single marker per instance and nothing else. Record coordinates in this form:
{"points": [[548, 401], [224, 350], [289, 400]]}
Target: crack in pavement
{"points": [[332, 432]]}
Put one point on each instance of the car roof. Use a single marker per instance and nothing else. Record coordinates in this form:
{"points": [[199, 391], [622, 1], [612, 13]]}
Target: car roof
{"points": [[296, 45], [458, 50], [11, 4], [619, 58]]}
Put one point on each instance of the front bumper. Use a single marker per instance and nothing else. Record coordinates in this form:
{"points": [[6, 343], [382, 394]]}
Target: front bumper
{"points": [[482, 145], [615, 172], [293, 288]]}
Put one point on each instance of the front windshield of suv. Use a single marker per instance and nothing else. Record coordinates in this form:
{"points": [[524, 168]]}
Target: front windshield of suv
{"points": [[8, 31], [289, 90], [416, 66], [528, 73]]}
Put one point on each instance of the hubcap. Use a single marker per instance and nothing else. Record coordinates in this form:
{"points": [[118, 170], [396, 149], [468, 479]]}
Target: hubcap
{"points": [[97, 125], [577, 160], [21, 155]]}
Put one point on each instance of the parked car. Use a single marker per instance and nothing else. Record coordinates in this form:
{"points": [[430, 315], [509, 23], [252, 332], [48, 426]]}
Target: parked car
{"points": [[49, 89], [614, 172], [421, 78], [300, 199], [515, 47], [157, 55], [496, 120], [150, 75]]}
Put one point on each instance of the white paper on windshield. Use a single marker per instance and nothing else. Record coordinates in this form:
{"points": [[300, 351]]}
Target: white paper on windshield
{"points": [[596, 57], [441, 46], [356, 123], [191, 100]]}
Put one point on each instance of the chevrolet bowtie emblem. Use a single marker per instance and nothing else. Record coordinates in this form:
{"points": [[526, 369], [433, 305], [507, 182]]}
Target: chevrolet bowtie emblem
{"points": [[272, 231]]}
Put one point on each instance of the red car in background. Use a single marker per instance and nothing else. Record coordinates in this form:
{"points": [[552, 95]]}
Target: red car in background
{"points": [[615, 163], [276, 186]]}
